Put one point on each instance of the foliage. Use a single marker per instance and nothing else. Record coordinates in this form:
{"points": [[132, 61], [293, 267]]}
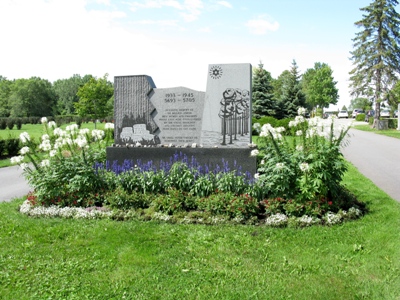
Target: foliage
{"points": [[292, 96], [305, 170], [63, 174], [319, 86], [66, 92], [263, 97], [360, 117], [362, 103], [95, 98], [5, 88], [31, 97], [375, 55]]}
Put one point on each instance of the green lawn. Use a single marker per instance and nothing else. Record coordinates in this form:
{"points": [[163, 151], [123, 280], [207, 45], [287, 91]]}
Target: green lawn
{"points": [[389, 132], [102, 259]]}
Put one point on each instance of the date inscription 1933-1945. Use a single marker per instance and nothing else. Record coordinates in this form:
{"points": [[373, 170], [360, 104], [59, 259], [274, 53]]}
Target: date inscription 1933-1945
{"points": [[174, 98]]}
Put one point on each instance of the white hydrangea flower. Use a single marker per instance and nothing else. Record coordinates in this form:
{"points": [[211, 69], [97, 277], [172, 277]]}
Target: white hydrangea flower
{"points": [[304, 167], [53, 153], [16, 159], [24, 166], [45, 145], [45, 163], [84, 131], [45, 137], [24, 137], [256, 176], [81, 141], [301, 111], [254, 152], [72, 128], [280, 129], [279, 166], [43, 120], [58, 132], [299, 148], [24, 150], [97, 134], [109, 126], [299, 132], [52, 124]]}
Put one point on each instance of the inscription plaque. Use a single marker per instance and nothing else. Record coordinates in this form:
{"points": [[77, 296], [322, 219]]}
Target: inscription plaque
{"points": [[178, 114]]}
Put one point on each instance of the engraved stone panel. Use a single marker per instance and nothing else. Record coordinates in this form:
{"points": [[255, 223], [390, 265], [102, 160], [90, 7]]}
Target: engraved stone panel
{"points": [[227, 107], [178, 114], [132, 106]]}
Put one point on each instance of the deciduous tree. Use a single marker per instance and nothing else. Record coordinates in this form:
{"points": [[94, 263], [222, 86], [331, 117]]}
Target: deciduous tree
{"points": [[319, 86], [95, 98]]}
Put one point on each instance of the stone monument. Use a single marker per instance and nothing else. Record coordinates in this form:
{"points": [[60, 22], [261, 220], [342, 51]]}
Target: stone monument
{"points": [[212, 127]]}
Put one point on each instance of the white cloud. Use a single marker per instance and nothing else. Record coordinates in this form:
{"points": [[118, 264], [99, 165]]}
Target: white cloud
{"points": [[205, 29], [170, 23], [261, 26], [224, 3], [134, 6], [193, 10]]}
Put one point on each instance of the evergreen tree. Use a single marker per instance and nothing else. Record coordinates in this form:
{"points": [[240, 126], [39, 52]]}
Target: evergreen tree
{"points": [[292, 96], [263, 97], [376, 52]]}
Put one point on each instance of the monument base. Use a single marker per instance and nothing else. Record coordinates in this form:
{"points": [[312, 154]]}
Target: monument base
{"points": [[236, 158]]}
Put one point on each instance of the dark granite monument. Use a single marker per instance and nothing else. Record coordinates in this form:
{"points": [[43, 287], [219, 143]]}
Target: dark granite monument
{"points": [[213, 127]]}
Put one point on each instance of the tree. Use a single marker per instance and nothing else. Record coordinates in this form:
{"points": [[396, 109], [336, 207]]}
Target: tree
{"points": [[394, 95], [292, 96], [362, 103], [66, 91], [31, 97], [95, 98], [319, 86], [5, 88], [376, 54], [263, 97]]}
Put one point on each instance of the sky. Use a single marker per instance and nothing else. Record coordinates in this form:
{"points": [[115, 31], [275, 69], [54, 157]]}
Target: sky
{"points": [[174, 41]]}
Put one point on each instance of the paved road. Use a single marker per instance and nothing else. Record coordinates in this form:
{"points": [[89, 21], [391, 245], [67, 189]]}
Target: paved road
{"points": [[377, 157], [12, 183]]}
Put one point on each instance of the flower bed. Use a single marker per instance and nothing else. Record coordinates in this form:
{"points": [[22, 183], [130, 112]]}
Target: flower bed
{"points": [[298, 183]]}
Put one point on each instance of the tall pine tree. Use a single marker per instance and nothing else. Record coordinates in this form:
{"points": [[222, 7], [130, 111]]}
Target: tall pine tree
{"points": [[263, 97], [376, 55], [292, 96]]}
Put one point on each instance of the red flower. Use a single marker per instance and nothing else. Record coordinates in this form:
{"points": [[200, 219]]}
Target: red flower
{"points": [[329, 203]]}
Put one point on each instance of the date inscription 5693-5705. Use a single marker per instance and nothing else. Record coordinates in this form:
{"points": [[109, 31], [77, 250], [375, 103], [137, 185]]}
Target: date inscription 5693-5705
{"points": [[184, 97]]}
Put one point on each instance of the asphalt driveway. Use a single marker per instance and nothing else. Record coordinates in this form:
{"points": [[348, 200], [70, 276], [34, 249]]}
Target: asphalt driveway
{"points": [[377, 157], [12, 183]]}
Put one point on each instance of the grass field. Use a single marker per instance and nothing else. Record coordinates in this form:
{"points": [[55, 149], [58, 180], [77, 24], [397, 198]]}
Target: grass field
{"points": [[389, 132], [102, 259]]}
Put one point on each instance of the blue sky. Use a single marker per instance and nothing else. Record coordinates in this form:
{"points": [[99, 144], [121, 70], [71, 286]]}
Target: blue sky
{"points": [[174, 40]]}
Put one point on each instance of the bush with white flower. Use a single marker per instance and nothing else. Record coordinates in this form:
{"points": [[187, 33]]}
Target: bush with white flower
{"points": [[304, 167], [60, 168]]}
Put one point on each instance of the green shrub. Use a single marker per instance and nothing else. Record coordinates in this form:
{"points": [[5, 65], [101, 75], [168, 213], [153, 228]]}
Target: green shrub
{"points": [[18, 122], [392, 123], [2, 147], [308, 167], [121, 199], [10, 123], [3, 123], [12, 146], [360, 117]]}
